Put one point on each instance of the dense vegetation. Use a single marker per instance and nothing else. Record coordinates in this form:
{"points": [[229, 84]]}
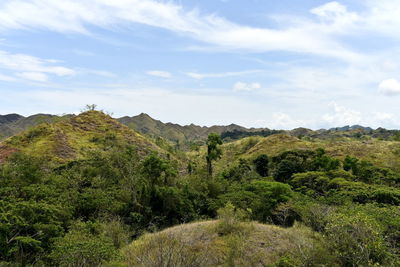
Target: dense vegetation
{"points": [[85, 209]]}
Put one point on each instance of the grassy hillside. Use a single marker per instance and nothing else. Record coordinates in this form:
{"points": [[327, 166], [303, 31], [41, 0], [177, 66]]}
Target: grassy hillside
{"points": [[381, 152], [208, 243], [73, 137], [175, 132]]}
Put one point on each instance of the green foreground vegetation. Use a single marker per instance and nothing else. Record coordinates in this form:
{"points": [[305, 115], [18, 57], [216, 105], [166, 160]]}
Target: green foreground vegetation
{"points": [[89, 191]]}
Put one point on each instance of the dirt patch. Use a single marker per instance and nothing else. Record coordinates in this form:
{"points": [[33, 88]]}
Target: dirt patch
{"points": [[61, 146], [5, 152]]}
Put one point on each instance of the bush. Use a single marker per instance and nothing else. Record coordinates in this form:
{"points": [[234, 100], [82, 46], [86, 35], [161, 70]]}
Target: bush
{"points": [[356, 240], [316, 181], [230, 219], [82, 247], [240, 173], [260, 197]]}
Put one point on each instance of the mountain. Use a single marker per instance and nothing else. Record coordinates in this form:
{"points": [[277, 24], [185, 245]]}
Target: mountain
{"points": [[175, 132], [5, 119], [12, 124], [350, 128], [188, 135], [73, 136]]}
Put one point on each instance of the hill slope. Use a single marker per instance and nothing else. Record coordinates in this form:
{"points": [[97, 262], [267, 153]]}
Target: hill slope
{"points": [[206, 244], [12, 124], [380, 152], [175, 132], [71, 138]]}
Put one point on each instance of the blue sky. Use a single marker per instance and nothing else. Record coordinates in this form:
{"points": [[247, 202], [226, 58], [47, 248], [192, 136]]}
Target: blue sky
{"points": [[257, 63]]}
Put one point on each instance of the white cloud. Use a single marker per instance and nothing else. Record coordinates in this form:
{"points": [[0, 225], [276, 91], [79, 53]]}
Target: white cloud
{"points": [[159, 73], [383, 116], [241, 86], [33, 76], [329, 10], [32, 68], [75, 15], [305, 36], [163, 104], [333, 11], [200, 76], [281, 120], [342, 116], [103, 73], [390, 87]]}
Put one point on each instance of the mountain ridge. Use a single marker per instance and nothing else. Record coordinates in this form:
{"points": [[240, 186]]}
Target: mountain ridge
{"points": [[12, 124]]}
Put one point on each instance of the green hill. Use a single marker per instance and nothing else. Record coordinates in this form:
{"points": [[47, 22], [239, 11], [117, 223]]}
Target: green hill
{"points": [[207, 244], [175, 132], [380, 152], [72, 137], [84, 191], [185, 137]]}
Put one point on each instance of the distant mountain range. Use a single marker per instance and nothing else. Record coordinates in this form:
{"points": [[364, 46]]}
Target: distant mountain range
{"points": [[12, 124]]}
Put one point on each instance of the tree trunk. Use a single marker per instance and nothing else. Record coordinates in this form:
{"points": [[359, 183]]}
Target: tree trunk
{"points": [[209, 167]]}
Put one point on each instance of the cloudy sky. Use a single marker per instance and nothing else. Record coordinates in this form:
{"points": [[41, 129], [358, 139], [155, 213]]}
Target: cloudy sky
{"points": [[258, 63]]}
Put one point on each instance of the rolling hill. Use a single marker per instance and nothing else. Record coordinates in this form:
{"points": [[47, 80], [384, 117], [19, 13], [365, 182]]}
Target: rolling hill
{"points": [[383, 153], [71, 137], [183, 136], [204, 244]]}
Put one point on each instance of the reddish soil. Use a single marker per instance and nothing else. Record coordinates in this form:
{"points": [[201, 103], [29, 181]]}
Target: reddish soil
{"points": [[5, 152]]}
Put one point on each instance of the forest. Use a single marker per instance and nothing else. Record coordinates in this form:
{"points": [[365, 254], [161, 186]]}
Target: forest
{"points": [[89, 191]]}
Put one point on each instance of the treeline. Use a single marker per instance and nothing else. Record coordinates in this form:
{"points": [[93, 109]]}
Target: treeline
{"points": [[82, 213], [237, 134]]}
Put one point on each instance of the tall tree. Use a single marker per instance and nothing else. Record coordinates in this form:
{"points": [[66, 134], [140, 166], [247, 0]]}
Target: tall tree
{"points": [[213, 151]]}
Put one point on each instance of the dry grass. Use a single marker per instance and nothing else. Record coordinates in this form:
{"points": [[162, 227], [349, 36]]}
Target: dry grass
{"points": [[200, 244]]}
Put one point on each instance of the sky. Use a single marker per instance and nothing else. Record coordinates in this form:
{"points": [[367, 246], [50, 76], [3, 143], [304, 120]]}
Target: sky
{"points": [[257, 63]]}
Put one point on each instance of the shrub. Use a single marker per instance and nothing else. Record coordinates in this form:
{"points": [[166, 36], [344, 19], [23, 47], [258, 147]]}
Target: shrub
{"points": [[230, 219], [261, 197], [81, 247], [316, 181], [356, 240]]}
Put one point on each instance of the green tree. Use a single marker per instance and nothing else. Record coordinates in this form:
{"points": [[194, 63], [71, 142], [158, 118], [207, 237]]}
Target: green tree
{"points": [[261, 163], [214, 152], [83, 246], [158, 170]]}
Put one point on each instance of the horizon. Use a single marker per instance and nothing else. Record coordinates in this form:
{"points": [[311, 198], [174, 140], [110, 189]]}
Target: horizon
{"points": [[183, 125], [261, 64]]}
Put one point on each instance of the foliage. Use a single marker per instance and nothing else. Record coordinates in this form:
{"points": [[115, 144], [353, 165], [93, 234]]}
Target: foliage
{"points": [[261, 164], [237, 134], [230, 219], [214, 152], [260, 197], [240, 172], [356, 240], [80, 190], [82, 246]]}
